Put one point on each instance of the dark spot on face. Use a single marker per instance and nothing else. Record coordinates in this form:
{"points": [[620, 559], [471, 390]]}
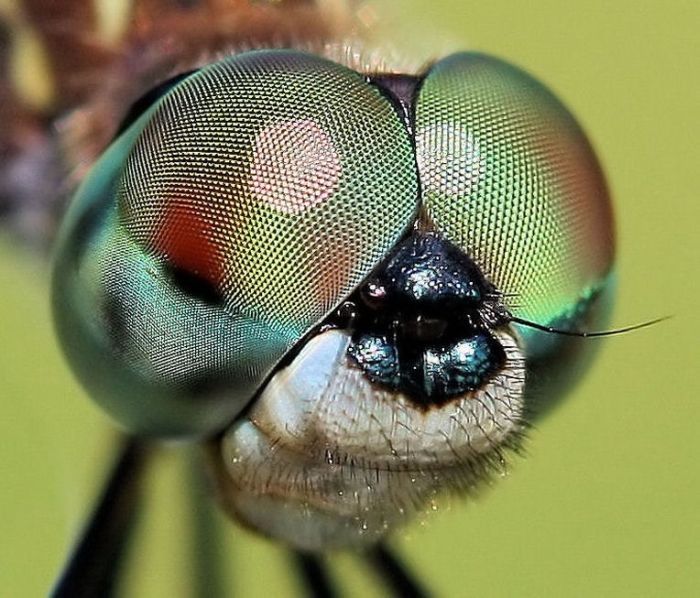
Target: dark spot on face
{"points": [[426, 276], [195, 286], [424, 323], [430, 374]]}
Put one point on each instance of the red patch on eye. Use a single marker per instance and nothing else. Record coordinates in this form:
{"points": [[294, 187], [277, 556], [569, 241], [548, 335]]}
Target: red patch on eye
{"points": [[186, 238]]}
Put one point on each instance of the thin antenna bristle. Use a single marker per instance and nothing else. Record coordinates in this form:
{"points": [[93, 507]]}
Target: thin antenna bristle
{"points": [[584, 333]]}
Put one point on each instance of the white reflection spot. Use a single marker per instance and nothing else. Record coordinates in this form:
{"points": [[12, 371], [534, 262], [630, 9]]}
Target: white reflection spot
{"points": [[450, 159], [295, 166]]}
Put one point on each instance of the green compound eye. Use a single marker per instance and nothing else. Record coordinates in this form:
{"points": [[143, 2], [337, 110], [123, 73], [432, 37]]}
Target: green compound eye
{"points": [[509, 177], [220, 228]]}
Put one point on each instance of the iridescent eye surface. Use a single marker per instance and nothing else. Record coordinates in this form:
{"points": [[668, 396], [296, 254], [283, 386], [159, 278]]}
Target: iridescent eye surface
{"points": [[509, 177], [222, 226]]}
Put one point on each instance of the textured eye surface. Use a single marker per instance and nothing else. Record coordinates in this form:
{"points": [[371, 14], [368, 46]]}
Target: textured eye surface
{"points": [[278, 177], [256, 195], [509, 177]]}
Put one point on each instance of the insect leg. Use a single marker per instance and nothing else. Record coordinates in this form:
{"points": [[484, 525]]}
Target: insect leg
{"points": [[314, 575], [93, 568], [397, 578]]}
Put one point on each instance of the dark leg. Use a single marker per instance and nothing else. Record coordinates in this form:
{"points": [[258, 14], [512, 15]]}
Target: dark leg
{"points": [[397, 578], [314, 575], [93, 568]]}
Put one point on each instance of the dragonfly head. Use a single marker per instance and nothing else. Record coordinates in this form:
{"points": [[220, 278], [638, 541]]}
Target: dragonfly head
{"points": [[318, 270]]}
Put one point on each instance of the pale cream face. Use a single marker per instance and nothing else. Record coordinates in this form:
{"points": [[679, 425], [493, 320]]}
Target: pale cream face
{"points": [[327, 459]]}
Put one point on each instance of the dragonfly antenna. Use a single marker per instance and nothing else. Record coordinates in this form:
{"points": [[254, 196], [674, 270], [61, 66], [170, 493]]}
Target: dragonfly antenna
{"points": [[584, 333]]}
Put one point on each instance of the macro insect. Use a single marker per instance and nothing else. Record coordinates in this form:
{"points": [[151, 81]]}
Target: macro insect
{"points": [[355, 285]]}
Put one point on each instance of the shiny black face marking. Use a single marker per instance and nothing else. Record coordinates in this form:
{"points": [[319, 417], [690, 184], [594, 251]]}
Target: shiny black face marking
{"points": [[427, 276], [422, 322]]}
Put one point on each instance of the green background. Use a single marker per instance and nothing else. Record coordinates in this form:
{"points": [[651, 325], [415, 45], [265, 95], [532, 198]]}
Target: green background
{"points": [[606, 502]]}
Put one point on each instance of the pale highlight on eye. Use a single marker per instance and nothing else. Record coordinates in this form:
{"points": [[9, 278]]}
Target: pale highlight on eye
{"points": [[295, 166], [445, 148]]}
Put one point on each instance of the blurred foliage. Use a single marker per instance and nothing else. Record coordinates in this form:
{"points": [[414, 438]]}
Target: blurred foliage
{"points": [[606, 502]]}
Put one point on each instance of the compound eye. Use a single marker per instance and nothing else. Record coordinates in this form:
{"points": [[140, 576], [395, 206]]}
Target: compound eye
{"points": [[258, 194], [279, 178], [509, 177]]}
